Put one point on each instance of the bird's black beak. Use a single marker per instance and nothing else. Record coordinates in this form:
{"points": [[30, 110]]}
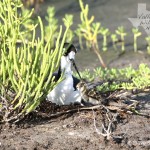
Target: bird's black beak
{"points": [[74, 65]]}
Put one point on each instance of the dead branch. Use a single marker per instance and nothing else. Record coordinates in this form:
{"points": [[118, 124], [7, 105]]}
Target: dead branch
{"points": [[107, 130]]}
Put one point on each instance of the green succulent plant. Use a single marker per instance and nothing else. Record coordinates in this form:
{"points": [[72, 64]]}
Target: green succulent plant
{"points": [[121, 31], [96, 27], [136, 34], [25, 71], [115, 79], [105, 32], [114, 40]]}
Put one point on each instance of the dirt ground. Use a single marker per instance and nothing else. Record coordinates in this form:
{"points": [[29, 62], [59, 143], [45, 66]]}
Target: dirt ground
{"points": [[76, 130]]}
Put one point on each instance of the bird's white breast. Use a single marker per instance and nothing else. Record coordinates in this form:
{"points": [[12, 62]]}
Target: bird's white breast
{"points": [[64, 92]]}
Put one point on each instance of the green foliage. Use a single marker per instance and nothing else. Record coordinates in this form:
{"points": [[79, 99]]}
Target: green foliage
{"points": [[126, 78], [26, 70]]}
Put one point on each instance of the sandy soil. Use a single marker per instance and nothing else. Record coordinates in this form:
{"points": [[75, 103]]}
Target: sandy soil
{"points": [[75, 130]]}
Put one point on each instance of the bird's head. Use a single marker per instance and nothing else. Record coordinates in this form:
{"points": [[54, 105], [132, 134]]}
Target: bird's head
{"points": [[81, 86], [69, 51]]}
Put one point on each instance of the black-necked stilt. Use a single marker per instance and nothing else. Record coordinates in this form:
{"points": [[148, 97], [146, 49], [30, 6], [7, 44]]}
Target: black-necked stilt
{"points": [[65, 92]]}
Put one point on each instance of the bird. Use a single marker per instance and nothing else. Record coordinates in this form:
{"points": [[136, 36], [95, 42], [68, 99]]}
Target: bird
{"points": [[66, 92], [89, 94]]}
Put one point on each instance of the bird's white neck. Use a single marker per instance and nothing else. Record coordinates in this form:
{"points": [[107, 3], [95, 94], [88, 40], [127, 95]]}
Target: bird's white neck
{"points": [[65, 65]]}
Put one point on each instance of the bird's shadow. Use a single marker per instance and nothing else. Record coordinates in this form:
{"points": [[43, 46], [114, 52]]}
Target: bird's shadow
{"points": [[144, 101]]}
